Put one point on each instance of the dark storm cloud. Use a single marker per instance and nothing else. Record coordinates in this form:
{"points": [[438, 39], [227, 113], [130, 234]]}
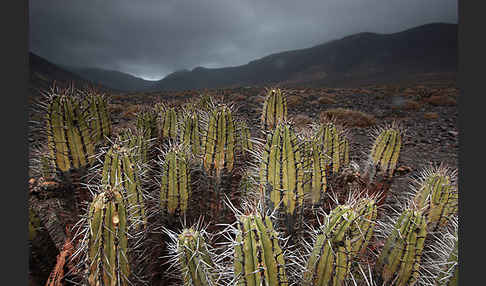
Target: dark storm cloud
{"points": [[151, 38]]}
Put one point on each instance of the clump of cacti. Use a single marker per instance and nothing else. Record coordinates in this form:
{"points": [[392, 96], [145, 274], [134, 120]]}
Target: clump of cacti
{"points": [[301, 234], [193, 257], [107, 255], [168, 121], [314, 164], [191, 132], [436, 196], [146, 122], [258, 256], [69, 138], [281, 175], [385, 150], [274, 108], [100, 121], [121, 172], [219, 140], [344, 234], [334, 142], [399, 260], [175, 181]]}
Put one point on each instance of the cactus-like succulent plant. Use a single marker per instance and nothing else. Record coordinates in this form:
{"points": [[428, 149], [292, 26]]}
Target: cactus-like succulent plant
{"points": [[259, 259], [399, 260], [69, 138], [274, 109], [100, 121], [120, 171], [244, 138], [194, 258], [138, 145], [386, 149], [175, 183], [191, 133], [168, 124], [314, 164], [108, 262], [436, 196], [147, 122], [219, 140], [335, 145], [281, 172], [344, 235]]}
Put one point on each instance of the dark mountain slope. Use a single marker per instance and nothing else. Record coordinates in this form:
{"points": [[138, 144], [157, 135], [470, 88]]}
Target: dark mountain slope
{"points": [[424, 49]]}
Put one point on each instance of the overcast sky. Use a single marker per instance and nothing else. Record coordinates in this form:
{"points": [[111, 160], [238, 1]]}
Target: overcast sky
{"points": [[152, 38]]}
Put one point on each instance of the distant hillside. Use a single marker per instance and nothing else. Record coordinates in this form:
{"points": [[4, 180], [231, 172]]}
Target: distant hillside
{"points": [[113, 79], [429, 48], [364, 58], [43, 74]]}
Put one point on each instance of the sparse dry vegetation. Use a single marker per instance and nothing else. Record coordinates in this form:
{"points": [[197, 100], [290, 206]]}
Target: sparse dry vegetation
{"points": [[348, 117]]}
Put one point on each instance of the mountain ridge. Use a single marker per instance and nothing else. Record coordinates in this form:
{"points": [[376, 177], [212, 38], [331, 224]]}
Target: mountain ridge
{"points": [[365, 56]]}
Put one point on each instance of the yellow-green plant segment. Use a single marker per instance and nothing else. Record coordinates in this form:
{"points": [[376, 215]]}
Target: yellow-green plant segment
{"points": [[345, 233], [274, 109], [281, 172], [258, 258], [175, 185], [146, 122], [335, 145], [100, 121], [120, 172], [437, 198], [399, 260], [168, 125], [244, 138], [137, 144], [219, 141], [69, 139], [194, 259], [107, 245], [314, 164], [386, 150], [191, 133]]}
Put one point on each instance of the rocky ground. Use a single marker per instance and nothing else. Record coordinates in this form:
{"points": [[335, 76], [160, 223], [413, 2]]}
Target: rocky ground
{"points": [[428, 113]]}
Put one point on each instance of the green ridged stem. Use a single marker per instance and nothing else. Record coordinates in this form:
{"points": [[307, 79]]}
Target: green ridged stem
{"points": [[314, 163], [330, 260], [168, 124], [191, 134], [366, 211], [399, 260], [386, 150], [120, 172], [146, 122], [274, 109], [137, 144], [107, 245], [258, 257], [175, 186], [335, 145], [281, 172], [438, 199], [244, 138], [69, 141], [219, 141], [100, 121], [196, 264]]}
